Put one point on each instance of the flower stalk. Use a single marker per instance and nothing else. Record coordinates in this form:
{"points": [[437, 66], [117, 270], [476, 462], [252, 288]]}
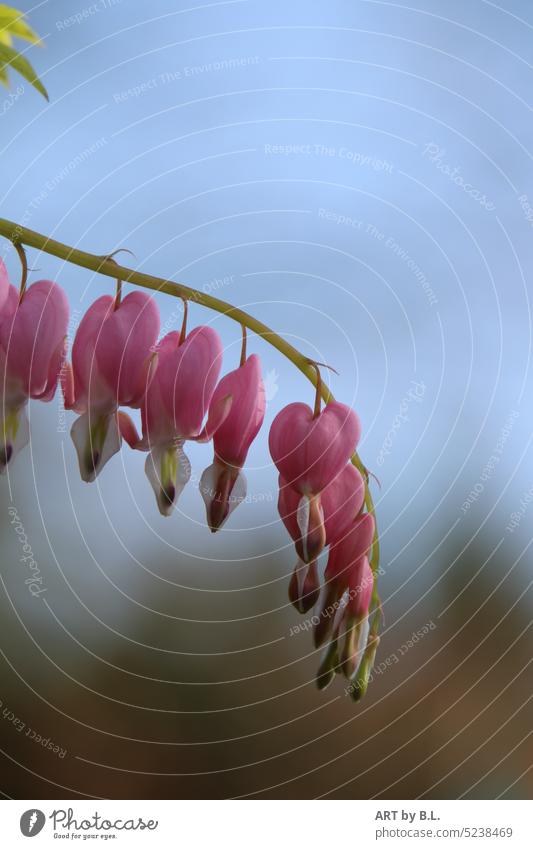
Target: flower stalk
{"points": [[24, 237]]}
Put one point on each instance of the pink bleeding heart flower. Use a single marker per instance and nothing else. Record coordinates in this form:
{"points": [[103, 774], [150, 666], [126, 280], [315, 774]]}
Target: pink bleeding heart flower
{"points": [[337, 507], [223, 484], [175, 406], [112, 363], [304, 519], [344, 555], [33, 334], [351, 626], [340, 502], [310, 451]]}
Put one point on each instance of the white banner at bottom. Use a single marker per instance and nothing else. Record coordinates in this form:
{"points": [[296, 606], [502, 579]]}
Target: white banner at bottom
{"points": [[257, 824]]}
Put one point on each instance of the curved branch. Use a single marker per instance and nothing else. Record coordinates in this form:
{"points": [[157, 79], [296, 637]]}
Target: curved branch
{"points": [[19, 235]]}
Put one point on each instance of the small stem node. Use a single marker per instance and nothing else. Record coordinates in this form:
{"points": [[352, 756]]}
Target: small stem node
{"points": [[24, 274]]}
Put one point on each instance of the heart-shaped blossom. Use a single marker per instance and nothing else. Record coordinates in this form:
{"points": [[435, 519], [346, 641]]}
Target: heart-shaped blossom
{"points": [[33, 333], [223, 484], [310, 450], [175, 406], [111, 366]]}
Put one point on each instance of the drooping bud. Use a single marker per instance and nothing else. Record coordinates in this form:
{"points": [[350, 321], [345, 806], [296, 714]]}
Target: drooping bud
{"points": [[359, 686], [343, 558], [352, 629], [329, 665], [223, 484], [304, 586]]}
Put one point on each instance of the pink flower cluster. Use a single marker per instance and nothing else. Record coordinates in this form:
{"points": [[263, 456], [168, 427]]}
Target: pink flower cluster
{"points": [[321, 498], [117, 363]]}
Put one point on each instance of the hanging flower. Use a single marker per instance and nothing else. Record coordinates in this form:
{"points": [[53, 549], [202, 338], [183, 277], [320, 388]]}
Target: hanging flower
{"points": [[33, 328], [111, 367], [310, 450], [340, 502], [175, 406], [350, 626], [344, 555], [115, 364], [223, 484]]}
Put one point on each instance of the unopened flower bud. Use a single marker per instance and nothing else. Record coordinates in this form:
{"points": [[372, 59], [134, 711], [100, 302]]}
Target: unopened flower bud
{"points": [[360, 684], [304, 586]]}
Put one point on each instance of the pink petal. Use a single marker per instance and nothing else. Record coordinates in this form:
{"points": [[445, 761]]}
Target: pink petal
{"points": [[219, 410], [233, 438], [56, 367], [127, 429], [346, 554], [183, 385], [309, 452], [360, 585], [67, 385], [123, 346], [31, 339], [341, 501], [90, 389], [4, 284], [197, 369]]}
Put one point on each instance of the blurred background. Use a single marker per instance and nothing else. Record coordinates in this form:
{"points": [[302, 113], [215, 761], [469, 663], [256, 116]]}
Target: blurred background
{"points": [[357, 174]]}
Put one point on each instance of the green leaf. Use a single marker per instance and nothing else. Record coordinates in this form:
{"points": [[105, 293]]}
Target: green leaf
{"points": [[10, 58], [12, 22]]}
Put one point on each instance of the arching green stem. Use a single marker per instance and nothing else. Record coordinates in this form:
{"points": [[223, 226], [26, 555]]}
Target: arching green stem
{"points": [[21, 236]]}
